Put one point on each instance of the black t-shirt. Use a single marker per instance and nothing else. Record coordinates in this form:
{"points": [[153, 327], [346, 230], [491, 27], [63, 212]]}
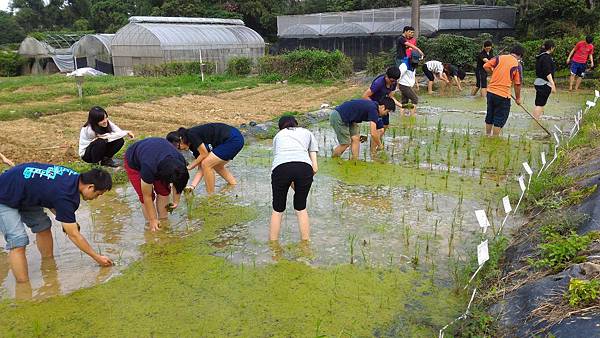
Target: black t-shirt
{"points": [[211, 134], [146, 155], [483, 55], [544, 65], [401, 47]]}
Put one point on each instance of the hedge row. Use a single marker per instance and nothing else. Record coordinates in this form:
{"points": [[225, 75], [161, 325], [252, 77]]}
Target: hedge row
{"points": [[309, 64], [173, 68], [10, 63]]}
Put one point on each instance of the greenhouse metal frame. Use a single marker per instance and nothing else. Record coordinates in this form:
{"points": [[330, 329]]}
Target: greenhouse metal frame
{"points": [[94, 50]]}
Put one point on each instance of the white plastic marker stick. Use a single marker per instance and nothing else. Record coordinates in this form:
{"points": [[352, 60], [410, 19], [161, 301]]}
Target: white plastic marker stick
{"points": [[579, 115], [529, 172], [590, 103], [463, 316], [597, 93], [482, 219], [543, 156], [555, 155], [523, 188], [556, 138], [483, 254], [507, 210], [558, 129]]}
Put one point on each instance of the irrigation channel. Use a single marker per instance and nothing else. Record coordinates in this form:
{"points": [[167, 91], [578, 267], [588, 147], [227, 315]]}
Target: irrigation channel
{"points": [[407, 216]]}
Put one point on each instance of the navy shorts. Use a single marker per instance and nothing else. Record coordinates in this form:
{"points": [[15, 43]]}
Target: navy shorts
{"points": [[578, 68], [498, 108], [428, 73], [231, 147], [542, 93], [481, 78], [383, 121]]}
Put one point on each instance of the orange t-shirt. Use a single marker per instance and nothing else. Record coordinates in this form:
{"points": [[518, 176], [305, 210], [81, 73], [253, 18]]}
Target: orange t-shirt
{"points": [[506, 71]]}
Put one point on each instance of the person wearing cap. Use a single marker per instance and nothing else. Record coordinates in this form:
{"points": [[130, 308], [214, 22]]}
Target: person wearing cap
{"points": [[434, 70], [294, 164], [382, 86], [506, 71], [407, 81], [579, 56]]}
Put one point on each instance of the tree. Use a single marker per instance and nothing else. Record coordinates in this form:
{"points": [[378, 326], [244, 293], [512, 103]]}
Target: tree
{"points": [[10, 31], [109, 16]]}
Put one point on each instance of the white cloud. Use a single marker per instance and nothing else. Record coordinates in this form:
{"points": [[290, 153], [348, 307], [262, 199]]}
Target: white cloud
{"points": [[4, 5]]}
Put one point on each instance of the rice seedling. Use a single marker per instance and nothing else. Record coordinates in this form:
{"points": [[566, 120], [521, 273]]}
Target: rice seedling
{"points": [[352, 242]]}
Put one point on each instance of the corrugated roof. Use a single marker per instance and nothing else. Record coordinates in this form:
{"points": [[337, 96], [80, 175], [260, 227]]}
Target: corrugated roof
{"points": [[169, 19]]}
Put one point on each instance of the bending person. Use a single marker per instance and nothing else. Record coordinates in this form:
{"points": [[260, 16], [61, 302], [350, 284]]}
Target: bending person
{"points": [[434, 70], [213, 146], [100, 139], [294, 164], [153, 165], [25, 190], [382, 86]]}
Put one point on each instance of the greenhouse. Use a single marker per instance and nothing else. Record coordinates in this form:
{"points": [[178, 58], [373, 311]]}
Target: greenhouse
{"points": [[94, 51], [359, 33], [52, 53], [155, 40]]}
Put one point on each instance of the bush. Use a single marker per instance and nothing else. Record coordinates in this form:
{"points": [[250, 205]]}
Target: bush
{"points": [[559, 250], [377, 64], [308, 64], [10, 63], [583, 292], [454, 49], [563, 48], [173, 69], [239, 65]]}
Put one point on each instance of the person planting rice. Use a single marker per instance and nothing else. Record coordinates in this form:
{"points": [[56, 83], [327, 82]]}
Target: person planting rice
{"points": [[213, 146], [384, 86], [480, 74], [578, 58], [345, 120], [506, 70], [544, 81], [6, 160], [407, 82], [434, 70], [153, 165], [100, 139], [455, 73], [28, 188], [294, 164]]}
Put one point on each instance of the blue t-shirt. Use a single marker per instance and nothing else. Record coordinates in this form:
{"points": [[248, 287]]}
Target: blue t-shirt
{"points": [[41, 185], [379, 89], [359, 110], [146, 155]]}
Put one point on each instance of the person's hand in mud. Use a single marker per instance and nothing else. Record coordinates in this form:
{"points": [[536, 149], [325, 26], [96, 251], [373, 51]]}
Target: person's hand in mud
{"points": [[188, 190], [104, 261], [154, 225], [6, 160]]}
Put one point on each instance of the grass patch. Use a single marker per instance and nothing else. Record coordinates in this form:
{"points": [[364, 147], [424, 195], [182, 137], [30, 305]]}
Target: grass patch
{"points": [[583, 292]]}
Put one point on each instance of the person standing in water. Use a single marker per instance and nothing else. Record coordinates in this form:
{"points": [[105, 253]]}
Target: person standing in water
{"points": [[480, 74], [213, 146], [28, 188], [153, 165], [294, 164], [544, 81]]}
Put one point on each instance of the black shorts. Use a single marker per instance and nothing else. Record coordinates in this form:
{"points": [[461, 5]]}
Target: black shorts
{"points": [[542, 93], [498, 108], [481, 78], [301, 174], [408, 94], [428, 73]]}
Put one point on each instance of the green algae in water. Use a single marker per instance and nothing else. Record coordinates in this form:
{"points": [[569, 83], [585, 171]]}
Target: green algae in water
{"points": [[180, 288]]}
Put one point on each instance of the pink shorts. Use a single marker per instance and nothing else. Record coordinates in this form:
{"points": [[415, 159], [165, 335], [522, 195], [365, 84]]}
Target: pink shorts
{"points": [[136, 181]]}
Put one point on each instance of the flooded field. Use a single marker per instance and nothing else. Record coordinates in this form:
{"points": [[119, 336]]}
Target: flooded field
{"points": [[389, 237]]}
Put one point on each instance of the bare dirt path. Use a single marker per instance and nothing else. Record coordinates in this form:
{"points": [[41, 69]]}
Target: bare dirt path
{"points": [[55, 138]]}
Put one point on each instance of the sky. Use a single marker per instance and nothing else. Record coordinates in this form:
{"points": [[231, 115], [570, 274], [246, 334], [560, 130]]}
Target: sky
{"points": [[4, 5]]}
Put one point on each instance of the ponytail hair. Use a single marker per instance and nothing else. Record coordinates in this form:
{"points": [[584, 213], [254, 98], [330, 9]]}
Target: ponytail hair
{"points": [[178, 136]]}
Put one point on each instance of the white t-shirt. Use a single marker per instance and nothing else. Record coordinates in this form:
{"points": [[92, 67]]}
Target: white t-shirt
{"points": [[293, 145], [435, 67], [87, 136], [407, 77]]}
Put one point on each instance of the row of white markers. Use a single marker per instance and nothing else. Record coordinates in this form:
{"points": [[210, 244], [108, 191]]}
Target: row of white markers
{"points": [[482, 249]]}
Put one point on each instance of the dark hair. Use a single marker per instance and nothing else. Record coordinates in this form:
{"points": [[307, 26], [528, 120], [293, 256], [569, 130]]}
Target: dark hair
{"points": [[548, 44], [461, 74], [388, 103], [96, 115], [178, 136], [408, 28], [98, 177], [287, 121], [589, 39], [518, 50], [487, 43], [393, 73], [173, 171]]}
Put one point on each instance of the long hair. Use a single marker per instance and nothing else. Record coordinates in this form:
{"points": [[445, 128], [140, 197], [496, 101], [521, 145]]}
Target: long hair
{"points": [[96, 115], [178, 136]]}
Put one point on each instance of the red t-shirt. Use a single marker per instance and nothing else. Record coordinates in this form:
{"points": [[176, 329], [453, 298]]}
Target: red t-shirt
{"points": [[413, 41], [583, 50]]}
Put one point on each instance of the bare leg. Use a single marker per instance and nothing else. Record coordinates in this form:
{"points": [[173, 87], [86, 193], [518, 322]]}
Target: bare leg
{"points": [[339, 150], [430, 87], [303, 224], [44, 243], [483, 92], [355, 146], [577, 83], [18, 264], [496, 131], [571, 80], [225, 173], [275, 225], [413, 112], [537, 112], [488, 129], [474, 91], [208, 166], [161, 206]]}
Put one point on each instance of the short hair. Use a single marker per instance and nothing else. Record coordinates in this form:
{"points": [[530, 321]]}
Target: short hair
{"points": [[461, 74], [173, 171], [393, 73], [548, 44], [518, 50], [589, 39], [487, 43], [388, 103], [287, 121], [408, 28], [101, 180]]}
